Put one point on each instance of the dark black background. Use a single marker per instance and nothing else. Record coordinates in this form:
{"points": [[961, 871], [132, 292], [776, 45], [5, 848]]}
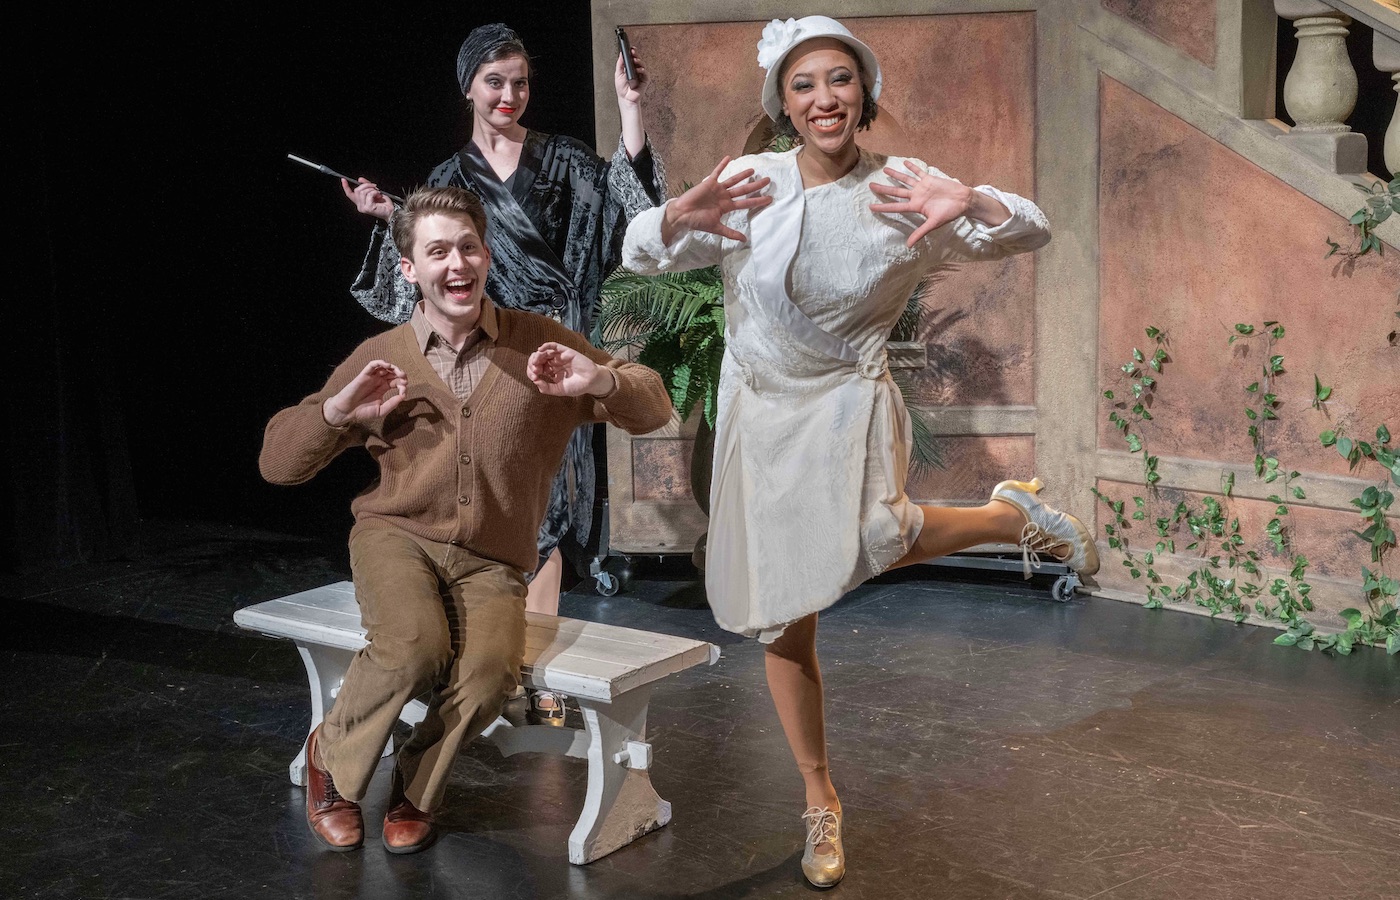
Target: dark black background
{"points": [[176, 280]]}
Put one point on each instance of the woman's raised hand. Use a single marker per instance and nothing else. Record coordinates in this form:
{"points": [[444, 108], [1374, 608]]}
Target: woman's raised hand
{"points": [[630, 91], [702, 207], [938, 200], [368, 199]]}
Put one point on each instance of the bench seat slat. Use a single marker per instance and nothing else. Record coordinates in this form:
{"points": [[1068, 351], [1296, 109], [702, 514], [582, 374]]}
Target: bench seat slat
{"points": [[585, 659]]}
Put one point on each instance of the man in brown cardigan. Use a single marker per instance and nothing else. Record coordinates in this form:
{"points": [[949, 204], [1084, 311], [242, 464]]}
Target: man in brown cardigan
{"points": [[467, 408]]}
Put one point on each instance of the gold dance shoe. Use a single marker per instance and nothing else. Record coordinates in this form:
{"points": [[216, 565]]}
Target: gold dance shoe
{"points": [[823, 870], [1048, 531]]}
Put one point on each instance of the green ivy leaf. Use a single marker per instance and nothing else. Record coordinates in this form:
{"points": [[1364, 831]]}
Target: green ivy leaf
{"points": [[1287, 639], [1382, 434], [1108, 394], [1328, 438], [1246, 329], [1344, 447]]}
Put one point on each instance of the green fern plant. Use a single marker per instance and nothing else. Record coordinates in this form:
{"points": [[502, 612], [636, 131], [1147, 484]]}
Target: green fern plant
{"points": [[676, 322]]}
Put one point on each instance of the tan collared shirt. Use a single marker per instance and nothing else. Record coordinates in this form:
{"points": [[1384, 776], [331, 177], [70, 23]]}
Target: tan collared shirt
{"points": [[460, 369]]}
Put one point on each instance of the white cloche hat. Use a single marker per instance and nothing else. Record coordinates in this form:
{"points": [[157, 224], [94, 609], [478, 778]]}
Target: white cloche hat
{"points": [[779, 39]]}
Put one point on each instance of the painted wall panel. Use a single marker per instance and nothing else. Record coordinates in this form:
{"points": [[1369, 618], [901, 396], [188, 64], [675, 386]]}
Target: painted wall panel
{"points": [[1195, 238], [1187, 25]]}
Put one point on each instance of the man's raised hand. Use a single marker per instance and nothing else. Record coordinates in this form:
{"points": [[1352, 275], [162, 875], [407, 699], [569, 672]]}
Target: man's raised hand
{"points": [[370, 395], [561, 371]]}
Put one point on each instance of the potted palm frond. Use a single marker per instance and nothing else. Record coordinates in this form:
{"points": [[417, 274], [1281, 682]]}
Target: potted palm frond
{"points": [[675, 322]]}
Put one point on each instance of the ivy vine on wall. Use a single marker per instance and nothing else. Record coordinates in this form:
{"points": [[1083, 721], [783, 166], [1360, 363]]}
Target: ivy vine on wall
{"points": [[1227, 576], [1381, 201]]}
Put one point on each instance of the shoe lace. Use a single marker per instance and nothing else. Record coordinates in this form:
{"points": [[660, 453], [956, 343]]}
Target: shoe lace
{"points": [[823, 826], [332, 793], [1035, 541]]}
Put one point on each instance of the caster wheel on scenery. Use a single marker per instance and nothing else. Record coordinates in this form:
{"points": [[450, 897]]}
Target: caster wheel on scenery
{"points": [[623, 573], [607, 584], [1063, 588]]}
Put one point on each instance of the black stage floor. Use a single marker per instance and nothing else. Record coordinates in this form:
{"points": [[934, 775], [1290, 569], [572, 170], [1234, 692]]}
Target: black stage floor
{"points": [[987, 742]]}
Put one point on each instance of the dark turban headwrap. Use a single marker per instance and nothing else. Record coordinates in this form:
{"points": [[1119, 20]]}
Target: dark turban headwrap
{"points": [[480, 44]]}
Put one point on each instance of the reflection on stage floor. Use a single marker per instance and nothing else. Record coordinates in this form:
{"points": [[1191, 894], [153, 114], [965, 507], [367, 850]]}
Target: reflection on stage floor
{"points": [[987, 741]]}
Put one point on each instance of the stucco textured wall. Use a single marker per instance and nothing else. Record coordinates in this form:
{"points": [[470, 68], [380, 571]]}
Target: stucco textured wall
{"points": [[1187, 25]]}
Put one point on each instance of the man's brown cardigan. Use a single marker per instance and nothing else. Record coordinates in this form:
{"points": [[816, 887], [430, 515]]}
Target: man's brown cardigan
{"points": [[476, 472]]}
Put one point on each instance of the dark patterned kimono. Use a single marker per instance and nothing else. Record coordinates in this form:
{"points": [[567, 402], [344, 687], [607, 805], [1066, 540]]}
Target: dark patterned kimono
{"points": [[555, 230]]}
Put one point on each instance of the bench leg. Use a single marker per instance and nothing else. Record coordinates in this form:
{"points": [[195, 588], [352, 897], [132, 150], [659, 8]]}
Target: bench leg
{"points": [[621, 804], [325, 670]]}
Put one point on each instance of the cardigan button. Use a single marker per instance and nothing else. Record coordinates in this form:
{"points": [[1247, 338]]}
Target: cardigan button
{"points": [[466, 411], [465, 458], [464, 500]]}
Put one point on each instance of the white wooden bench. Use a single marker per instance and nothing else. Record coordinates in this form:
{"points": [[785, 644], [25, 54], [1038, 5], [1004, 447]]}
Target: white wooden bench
{"points": [[609, 670]]}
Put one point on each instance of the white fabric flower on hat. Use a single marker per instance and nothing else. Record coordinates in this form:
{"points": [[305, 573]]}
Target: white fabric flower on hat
{"points": [[778, 36]]}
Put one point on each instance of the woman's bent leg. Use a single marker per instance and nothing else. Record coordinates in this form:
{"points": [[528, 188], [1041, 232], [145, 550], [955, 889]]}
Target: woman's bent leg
{"points": [[948, 529]]}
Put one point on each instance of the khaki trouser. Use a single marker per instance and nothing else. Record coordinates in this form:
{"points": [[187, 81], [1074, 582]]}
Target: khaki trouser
{"points": [[439, 618]]}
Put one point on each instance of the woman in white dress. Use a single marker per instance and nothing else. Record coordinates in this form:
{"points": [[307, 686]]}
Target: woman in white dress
{"points": [[820, 248]]}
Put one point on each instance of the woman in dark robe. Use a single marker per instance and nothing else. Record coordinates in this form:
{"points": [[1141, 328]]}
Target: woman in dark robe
{"points": [[557, 214]]}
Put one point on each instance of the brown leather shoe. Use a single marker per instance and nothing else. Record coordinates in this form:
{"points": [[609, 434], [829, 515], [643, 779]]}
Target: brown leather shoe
{"points": [[335, 821], [407, 829]]}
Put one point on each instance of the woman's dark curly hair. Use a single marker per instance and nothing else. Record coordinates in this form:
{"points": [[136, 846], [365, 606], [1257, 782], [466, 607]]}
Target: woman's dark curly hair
{"points": [[783, 126]]}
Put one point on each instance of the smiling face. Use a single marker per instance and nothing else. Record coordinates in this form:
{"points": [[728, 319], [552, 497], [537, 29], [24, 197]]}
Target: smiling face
{"points": [[449, 264], [822, 94], [500, 91]]}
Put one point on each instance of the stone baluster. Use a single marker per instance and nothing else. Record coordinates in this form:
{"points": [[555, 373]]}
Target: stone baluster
{"points": [[1320, 91], [1385, 53]]}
